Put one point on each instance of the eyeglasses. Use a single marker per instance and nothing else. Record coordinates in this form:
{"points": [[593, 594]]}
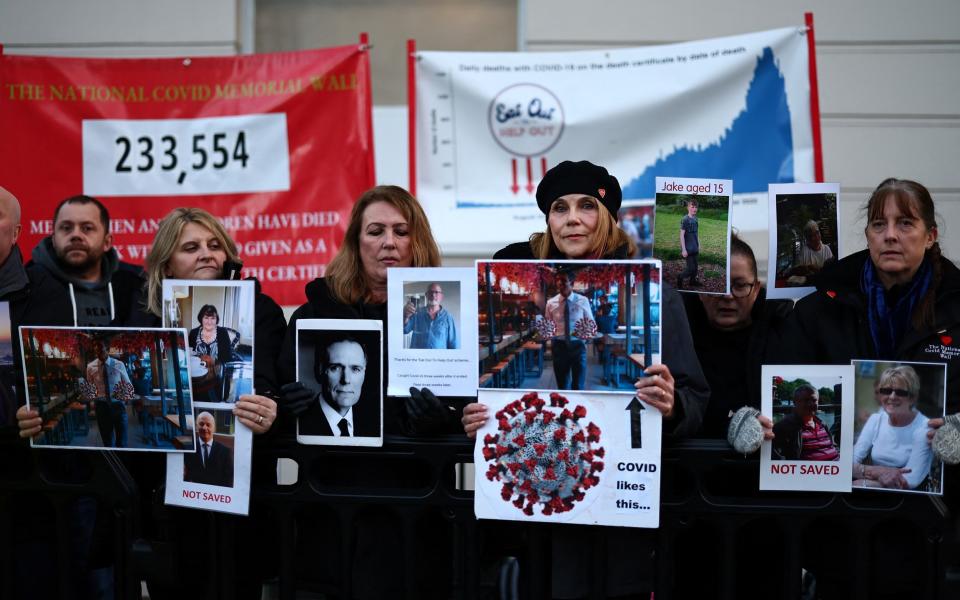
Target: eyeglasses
{"points": [[899, 393], [435, 292], [741, 289]]}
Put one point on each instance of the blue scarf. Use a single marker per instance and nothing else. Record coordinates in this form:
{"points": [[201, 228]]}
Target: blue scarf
{"points": [[888, 324]]}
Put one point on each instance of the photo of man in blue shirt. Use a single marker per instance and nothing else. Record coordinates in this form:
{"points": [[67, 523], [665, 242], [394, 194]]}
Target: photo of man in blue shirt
{"points": [[433, 327]]}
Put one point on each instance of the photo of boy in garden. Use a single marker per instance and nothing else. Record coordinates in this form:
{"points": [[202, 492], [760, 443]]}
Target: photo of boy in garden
{"points": [[691, 237]]}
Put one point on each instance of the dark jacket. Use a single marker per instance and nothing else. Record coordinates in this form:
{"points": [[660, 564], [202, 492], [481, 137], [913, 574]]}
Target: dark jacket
{"points": [[56, 298], [366, 423], [691, 391], [13, 277], [218, 470], [731, 360], [225, 350], [830, 325], [322, 305]]}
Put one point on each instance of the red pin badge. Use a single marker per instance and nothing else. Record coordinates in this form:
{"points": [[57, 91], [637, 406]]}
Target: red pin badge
{"points": [[946, 339], [831, 293], [602, 192]]}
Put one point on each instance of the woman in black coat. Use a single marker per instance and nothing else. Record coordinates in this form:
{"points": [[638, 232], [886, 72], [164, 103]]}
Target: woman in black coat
{"points": [[897, 300], [580, 201]]}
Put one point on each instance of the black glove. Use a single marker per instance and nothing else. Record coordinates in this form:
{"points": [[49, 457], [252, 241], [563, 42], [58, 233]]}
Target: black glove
{"points": [[296, 398], [426, 412]]}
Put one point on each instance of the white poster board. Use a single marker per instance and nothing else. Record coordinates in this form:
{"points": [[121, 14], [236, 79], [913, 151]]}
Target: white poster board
{"points": [[432, 333], [109, 388], [568, 457], [341, 360], [218, 316], [804, 234], [813, 444], [692, 233], [217, 477]]}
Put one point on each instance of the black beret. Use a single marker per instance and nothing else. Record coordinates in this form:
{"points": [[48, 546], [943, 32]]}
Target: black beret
{"points": [[581, 177]]}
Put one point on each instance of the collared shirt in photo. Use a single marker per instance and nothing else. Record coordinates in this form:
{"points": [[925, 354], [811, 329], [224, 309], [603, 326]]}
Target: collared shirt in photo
{"points": [[579, 308], [334, 418]]}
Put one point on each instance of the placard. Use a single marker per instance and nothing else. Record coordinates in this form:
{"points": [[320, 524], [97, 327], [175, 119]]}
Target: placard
{"points": [[568, 457], [811, 408], [216, 476], [109, 388], [341, 361], [692, 233], [433, 341], [894, 404], [219, 318], [804, 236], [567, 324]]}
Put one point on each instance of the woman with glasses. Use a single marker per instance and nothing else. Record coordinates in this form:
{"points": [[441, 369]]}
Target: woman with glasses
{"points": [[730, 336], [892, 449]]}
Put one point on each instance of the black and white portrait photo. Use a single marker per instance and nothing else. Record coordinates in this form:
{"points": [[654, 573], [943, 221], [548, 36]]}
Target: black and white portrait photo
{"points": [[343, 369]]}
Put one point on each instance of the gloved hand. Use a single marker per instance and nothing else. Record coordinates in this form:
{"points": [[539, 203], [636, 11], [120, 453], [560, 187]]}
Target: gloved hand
{"points": [[426, 412], [296, 399]]}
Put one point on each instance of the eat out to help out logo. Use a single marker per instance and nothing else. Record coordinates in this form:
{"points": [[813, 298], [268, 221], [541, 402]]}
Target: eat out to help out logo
{"points": [[526, 119]]}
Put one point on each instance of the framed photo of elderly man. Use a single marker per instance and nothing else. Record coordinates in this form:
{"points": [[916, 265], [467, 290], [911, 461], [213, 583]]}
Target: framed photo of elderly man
{"points": [[216, 476], [810, 406], [340, 360], [894, 402], [428, 342], [804, 236]]}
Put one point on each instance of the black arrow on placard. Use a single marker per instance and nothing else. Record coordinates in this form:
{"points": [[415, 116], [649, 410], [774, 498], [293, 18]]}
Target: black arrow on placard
{"points": [[636, 437]]}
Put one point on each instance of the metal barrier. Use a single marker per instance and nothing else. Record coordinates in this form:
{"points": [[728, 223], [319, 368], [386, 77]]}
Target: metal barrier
{"points": [[393, 522], [41, 494]]}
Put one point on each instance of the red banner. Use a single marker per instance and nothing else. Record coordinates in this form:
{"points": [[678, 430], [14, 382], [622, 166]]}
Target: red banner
{"points": [[278, 146]]}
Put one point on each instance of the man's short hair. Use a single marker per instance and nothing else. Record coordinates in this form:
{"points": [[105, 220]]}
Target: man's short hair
{"points": [[805, 387], [322, 355], [82, 199], [692, 201], [207, 414]]}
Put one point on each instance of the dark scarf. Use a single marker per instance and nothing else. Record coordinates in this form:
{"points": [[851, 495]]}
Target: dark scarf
{"points": [[888, 324]]}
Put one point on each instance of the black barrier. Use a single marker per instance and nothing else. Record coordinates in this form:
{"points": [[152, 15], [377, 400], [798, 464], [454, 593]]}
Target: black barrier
{"points": [[394, 522], [710, 496], [60, 508]]}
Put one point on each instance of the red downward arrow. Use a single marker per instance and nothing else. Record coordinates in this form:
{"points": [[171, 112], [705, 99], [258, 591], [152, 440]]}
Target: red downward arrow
{"points": [[529, 175], [514, 188], [543, 167]]}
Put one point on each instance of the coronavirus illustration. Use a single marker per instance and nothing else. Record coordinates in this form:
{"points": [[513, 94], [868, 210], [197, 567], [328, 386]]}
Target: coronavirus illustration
{"points": [[542, 454]]}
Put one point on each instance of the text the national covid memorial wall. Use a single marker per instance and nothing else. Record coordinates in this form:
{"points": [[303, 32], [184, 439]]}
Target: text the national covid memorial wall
{"points": [[277, 146]]}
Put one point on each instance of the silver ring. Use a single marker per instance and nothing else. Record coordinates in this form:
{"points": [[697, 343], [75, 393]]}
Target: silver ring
{"points": [[260, 420]]}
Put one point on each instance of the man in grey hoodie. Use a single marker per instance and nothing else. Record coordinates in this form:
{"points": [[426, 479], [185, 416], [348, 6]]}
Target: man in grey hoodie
{"points": [[76, 277], [77, 280]]}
